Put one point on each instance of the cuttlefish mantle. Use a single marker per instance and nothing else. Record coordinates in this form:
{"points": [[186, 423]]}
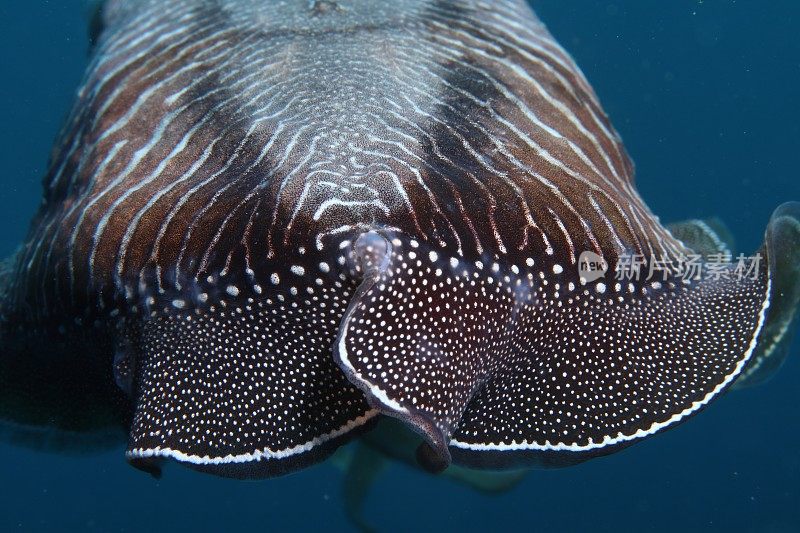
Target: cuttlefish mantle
{"points": [[268, 225]]}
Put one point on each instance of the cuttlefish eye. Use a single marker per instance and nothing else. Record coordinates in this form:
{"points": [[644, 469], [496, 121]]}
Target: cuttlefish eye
{"points": [[267, 225]]}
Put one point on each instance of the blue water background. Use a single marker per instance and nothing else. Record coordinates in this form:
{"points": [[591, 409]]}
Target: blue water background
{"points": [[705, 95]]}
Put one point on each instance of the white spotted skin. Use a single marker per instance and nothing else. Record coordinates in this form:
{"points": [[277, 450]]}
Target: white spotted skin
{"points": [[508, 371], [244, 385]]}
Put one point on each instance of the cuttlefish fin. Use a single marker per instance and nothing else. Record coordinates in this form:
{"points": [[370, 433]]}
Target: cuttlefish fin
{"points": [[51, 400], [94, 15], [58, 408], [101, 14], [782, 247], [706, 237]]}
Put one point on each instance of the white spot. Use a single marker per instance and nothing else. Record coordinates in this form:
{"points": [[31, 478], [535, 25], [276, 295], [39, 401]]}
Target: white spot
{"points": [[232, 290], [275, 279], [557, 269], [325, 267], [433, 256], [298, 270], [601, 288]]}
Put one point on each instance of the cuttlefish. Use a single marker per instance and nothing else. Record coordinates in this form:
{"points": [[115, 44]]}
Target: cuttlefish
{"points": [[268, 225]]}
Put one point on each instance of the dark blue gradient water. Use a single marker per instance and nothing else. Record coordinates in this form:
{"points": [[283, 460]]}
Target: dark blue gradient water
{"points": [[705, 95]]}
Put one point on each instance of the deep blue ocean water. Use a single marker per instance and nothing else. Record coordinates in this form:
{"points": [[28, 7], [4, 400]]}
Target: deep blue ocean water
{"points": [[706, 95]]}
